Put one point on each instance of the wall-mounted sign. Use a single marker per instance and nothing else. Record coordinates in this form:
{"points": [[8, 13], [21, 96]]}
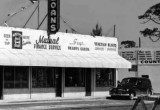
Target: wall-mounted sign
{"points": [[145, 56], [53, 16], [133, 68], [38, 40], [129, 55], [16, 40]]}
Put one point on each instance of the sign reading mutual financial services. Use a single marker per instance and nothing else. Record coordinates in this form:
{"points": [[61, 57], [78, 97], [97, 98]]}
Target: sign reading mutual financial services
{"points": [[53, 16]]}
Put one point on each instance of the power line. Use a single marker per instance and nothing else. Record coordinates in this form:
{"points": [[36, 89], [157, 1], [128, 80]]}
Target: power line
{"points": [[72, 29], [9, 16], [42, 21], [30, 16]]}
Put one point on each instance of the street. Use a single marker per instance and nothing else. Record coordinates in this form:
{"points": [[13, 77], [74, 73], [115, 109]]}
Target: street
{"points": [[76, 104]]}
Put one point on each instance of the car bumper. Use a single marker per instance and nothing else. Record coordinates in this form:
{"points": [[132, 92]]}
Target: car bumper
{"points": [[119, 94]]}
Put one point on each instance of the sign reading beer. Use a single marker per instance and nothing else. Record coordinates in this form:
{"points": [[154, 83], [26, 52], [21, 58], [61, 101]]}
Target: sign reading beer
{"points": [[16, 39], [53, 16]]}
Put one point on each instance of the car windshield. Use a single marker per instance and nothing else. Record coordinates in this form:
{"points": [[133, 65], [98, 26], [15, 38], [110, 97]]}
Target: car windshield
{"points": [[129, 81]]}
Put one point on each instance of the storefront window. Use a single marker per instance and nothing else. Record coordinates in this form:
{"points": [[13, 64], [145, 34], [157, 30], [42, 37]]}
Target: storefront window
{"points": [[42, 77], [104, 77], [21, 77], [75, 77], [16, 77]]}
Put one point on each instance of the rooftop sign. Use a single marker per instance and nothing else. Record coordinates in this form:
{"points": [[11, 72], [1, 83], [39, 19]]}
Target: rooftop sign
{"points": [[17, 38]]}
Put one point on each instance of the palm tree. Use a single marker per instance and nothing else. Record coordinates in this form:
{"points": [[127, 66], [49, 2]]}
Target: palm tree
{"points": [[97, 31]]}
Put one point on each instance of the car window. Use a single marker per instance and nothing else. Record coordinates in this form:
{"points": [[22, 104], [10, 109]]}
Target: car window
{"points": [[146, 82], [129, 81], [139, 82]]}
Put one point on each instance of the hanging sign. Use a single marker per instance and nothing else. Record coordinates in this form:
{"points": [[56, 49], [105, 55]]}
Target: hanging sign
{"points": [[53, 16]]}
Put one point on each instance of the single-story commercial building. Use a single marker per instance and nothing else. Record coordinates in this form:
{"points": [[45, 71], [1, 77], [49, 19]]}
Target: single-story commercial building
{"points": [[145, 62], [36, 66]]}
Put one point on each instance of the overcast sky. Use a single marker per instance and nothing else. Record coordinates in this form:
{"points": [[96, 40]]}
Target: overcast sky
{"points": [[82, 15]]}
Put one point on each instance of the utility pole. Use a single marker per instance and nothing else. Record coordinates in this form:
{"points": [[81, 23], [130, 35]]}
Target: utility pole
{"points": [[139, 42], [114, 31]]}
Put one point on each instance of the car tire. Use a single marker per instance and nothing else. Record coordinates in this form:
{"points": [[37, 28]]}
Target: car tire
{"points": [[131, 96]]}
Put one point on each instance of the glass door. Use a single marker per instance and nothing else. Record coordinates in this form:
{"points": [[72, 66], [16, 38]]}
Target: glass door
{"points": [[58, 83], [88, 82]]}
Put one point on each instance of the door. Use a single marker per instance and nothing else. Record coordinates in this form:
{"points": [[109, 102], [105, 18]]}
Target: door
{"points": [[1, 82], [88, 82], [58, 82]]}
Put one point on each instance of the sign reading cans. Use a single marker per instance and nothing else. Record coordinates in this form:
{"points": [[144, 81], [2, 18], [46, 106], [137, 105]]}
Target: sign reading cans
{"points": [[53, 16]]}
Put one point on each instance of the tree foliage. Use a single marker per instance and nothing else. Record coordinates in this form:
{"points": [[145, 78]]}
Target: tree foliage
{"points": [[128, 44], [153, 15], [97, 31]]}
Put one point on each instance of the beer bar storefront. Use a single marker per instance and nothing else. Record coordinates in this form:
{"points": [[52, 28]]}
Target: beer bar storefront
{"points": [[33, 66]]}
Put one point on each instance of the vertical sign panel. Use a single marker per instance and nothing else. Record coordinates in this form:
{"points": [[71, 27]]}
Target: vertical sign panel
{"points": [[53, 16], [16, 40]]}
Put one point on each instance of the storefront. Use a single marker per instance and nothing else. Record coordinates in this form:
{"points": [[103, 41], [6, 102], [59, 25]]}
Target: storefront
{"points": [[34, 66]]}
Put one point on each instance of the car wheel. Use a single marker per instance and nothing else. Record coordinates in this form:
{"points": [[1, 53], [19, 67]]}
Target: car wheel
{"points": [[131, 96]]}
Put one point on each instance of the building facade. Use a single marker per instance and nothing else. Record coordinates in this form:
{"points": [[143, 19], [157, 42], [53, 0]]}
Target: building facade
{"points": [[146, 62], [34, 65]]}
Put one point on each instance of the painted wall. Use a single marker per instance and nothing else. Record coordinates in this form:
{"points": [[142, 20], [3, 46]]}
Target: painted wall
{"points": [[123, 73], [154, 75]]}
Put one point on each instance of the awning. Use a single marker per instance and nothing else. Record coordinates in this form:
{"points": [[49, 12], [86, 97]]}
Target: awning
{"points": [[17, 57]]}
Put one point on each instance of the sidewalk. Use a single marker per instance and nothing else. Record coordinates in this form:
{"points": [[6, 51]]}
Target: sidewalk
{"points": [[58, 99], [61, 103]]}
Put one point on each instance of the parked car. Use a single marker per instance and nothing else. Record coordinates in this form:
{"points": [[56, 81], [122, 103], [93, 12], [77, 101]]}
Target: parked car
{"points": [[132, 87]]}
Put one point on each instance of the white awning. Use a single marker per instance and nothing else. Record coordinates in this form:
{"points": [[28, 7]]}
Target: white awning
{"points": [[17, 57]]}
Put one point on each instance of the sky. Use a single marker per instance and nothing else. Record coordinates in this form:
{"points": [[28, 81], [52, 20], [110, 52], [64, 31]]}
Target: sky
{"points": [[83, 15]]}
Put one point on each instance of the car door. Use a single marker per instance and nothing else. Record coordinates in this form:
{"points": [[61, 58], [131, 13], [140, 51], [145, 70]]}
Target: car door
{"points": [[139, 88]]}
